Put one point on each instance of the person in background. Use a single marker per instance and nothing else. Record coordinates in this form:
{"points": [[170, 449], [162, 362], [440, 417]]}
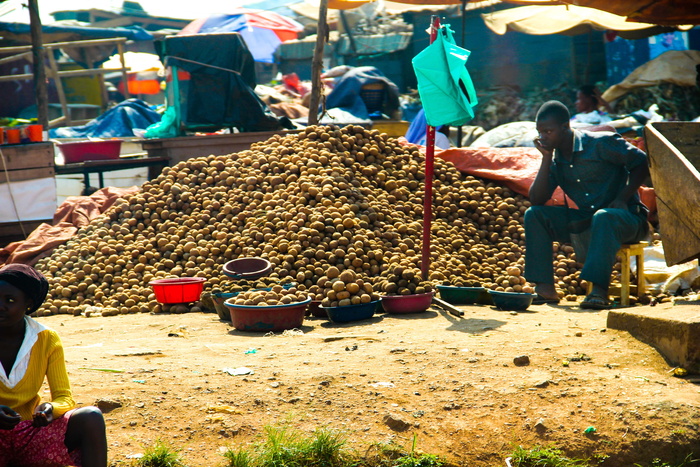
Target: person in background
{"points": [[35, 433], [601, 173], [591, 108], [416, 132]]}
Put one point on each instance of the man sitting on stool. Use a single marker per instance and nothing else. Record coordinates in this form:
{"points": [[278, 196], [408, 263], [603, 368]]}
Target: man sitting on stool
{"points": [[601, 173]]}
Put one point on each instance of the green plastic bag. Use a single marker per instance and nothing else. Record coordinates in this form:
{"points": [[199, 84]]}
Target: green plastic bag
{"points": [[166, 128], [445, 87]]}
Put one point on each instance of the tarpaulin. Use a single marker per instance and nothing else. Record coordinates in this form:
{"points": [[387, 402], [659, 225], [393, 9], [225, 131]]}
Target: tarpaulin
{"points": [[87, 56], [566, 19], [263, 31], [73, 213], [674, 67], [665, 12], [80, 210], [119, 121], [347, 93], [39, 244], [516, 168], [220, 91]]}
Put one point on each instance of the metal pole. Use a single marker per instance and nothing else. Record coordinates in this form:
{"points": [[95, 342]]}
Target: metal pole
{"points": [[317, 63], [464, 41], [40, 89], [429, 159]]}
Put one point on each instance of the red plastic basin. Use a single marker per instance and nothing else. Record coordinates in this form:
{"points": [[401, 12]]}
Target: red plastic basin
{"points": [[316, 310], [267, 318], [178, 290], [81, 151], [407, 303]]}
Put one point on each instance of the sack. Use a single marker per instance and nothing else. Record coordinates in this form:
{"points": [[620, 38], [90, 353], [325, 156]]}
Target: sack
{"points": [[445, 87]]}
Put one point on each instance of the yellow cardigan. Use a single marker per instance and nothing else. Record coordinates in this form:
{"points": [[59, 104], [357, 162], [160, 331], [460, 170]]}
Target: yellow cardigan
{"points": [[20, 390]]}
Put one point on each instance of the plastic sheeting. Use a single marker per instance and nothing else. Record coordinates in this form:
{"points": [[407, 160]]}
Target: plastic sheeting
{"points": [[664, 12], [119, 121], [220, 91], [674, 66], [565, 19], [516, 168], [445, 87], [346, 93], [263, 31], [87, 57], [74, 212]]}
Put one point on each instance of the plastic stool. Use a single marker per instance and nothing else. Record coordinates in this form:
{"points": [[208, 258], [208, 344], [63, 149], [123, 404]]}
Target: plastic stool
{"points": [[626, 252]]}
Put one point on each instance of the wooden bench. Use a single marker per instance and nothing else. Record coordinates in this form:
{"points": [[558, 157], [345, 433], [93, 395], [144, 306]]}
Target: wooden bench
{"points": [[625, 253]]}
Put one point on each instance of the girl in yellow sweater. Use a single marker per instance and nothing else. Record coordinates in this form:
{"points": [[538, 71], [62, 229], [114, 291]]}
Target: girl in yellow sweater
{"points": [[35, 433]]}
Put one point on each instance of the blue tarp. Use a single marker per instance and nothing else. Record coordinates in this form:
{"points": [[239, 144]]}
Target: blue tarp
{"points": [[134, 33], [118, 121], [346, 93], [87, 57]]}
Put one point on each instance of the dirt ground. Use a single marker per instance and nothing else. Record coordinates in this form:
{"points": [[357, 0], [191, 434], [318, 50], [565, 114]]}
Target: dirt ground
{"points": [[449, 380]]}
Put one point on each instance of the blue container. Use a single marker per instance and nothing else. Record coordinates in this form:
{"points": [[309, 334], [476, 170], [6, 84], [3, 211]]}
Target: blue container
{"points": [[512, 301], [343, 314]]}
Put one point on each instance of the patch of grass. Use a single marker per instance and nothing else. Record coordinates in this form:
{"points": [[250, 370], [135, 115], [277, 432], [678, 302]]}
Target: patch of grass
{"points": [[414, 459], [382, 455], [327, 449], [160, 455], [238, 458], [544, 457], [392, 455], [689, 461], [420, 460], [284, 447]]}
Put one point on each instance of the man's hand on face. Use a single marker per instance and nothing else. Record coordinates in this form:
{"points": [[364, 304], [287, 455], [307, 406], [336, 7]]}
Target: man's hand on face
{"points": [[546, 151]]}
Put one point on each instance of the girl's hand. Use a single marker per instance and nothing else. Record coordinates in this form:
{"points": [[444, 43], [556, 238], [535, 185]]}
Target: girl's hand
{"points": [[43, 414], [8, 418]]}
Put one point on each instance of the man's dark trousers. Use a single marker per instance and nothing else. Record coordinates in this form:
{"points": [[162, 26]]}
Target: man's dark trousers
{"points": [[610, 228]]}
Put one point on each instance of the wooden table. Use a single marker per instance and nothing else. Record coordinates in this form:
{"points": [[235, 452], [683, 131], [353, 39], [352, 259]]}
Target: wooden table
{"points": [[182, 148], [100, 167]]}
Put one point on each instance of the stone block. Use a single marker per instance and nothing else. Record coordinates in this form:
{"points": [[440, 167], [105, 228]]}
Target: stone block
{"points": [[673, 330]]}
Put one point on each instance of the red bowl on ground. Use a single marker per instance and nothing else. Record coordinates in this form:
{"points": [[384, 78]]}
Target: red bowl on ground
{"points": [[416, 303], [267, 318], [81, 151], [178, 290], [247, 268], [316, 310]]}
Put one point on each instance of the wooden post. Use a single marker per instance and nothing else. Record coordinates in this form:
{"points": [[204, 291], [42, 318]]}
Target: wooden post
{"points": [[40, 89], [317, 63], [59, 88], [125, 76]]}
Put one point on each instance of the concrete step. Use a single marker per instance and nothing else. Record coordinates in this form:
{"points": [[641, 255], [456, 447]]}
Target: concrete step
{"points": [[673, 330]]}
